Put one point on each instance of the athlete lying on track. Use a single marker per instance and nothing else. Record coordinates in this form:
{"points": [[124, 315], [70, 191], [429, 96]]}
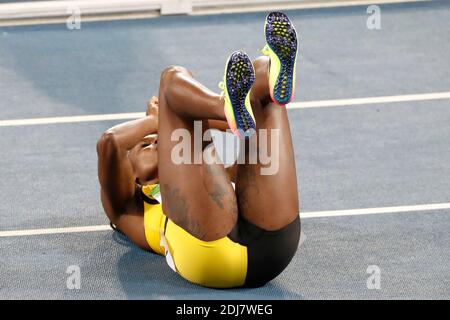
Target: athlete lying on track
{"points": [[211, 234]]}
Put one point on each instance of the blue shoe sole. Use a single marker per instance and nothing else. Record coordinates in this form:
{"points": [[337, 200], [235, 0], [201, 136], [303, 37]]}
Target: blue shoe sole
{"points": [[282, 40]]}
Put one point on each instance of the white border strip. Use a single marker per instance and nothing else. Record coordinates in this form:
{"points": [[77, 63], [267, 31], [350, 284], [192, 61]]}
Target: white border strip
{"points": [[54, 9], [202, 7], [303, 215], [49, 9], [294, 105]]}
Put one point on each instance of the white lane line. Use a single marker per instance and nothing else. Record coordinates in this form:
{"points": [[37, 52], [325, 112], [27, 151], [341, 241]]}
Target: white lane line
{"points": [[304, 215], [294, 105], [71, 119], [35, 232], [370, 100], [381, 210]]}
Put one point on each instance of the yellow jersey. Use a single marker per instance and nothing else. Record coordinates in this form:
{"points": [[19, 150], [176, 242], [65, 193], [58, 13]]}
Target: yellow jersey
{"points": [[217, 264]]}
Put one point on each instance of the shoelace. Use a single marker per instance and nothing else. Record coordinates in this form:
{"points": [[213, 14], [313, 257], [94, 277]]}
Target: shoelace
{"points": [[222, 87], [265, 50]]}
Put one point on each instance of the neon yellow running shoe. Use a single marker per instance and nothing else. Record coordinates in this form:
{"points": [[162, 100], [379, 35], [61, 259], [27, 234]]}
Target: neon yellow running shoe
{"points": [[281, 47], [238, 79]]}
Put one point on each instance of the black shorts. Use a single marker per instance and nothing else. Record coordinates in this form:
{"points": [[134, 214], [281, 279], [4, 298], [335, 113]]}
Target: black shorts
{"points": [[269, 252]]}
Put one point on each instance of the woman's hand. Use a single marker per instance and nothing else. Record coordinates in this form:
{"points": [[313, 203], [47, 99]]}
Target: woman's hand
{"points": [[152, 107]]}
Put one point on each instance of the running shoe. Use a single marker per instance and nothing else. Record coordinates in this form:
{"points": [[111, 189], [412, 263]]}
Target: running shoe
{"points": [[281, 47], [237, 82]]}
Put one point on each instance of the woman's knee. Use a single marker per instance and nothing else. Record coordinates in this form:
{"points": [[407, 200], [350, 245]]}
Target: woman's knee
{"points": [[172, 78], [171, 72]]}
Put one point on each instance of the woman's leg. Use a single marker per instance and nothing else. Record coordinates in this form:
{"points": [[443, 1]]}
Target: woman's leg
{"points": [[197, 197], [268, 201]]}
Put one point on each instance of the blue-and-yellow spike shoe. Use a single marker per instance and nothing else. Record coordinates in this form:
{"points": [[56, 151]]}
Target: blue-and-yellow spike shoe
{"points": [[281, 46], [237, 82]]}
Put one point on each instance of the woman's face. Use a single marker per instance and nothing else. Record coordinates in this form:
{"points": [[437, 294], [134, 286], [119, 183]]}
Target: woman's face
{"points": [[144, 159]]}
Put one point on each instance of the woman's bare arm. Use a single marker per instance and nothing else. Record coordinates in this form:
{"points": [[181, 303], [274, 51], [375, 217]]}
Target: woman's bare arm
{"points": [[116, 175], [117, 178]]}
